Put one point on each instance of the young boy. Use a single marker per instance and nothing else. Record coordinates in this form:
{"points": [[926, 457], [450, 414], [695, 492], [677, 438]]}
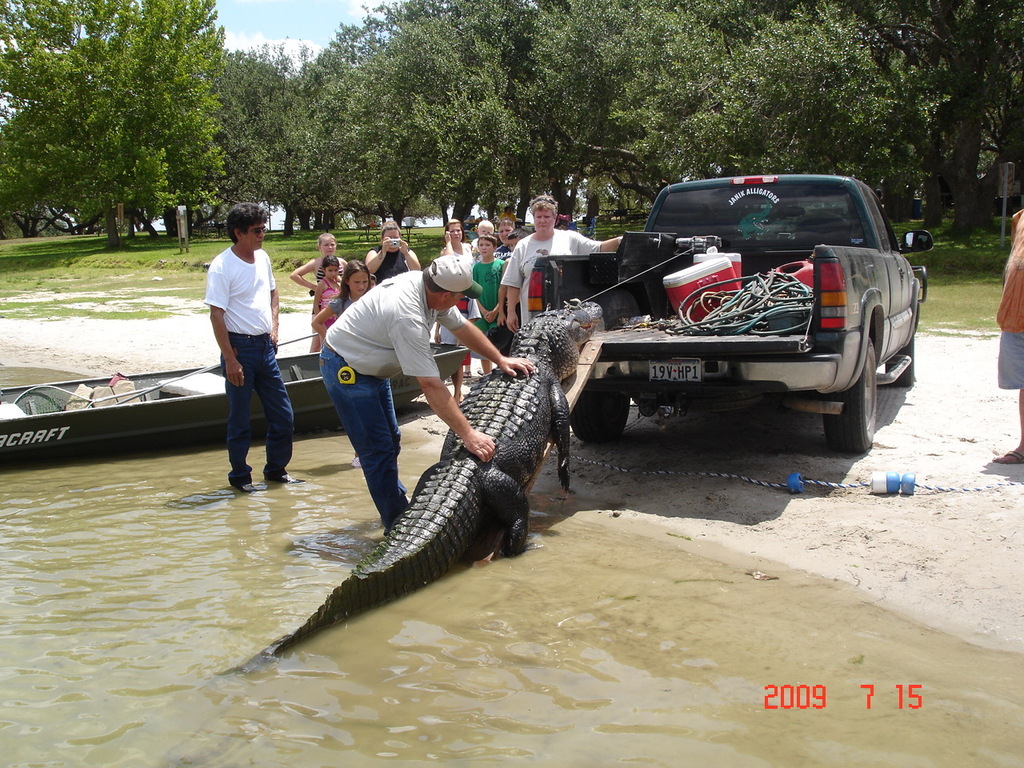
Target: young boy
{"points": [[483, 227], [487, 272]]}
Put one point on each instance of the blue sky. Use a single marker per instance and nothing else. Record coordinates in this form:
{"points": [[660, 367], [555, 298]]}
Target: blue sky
{"points": [[251, 23]]}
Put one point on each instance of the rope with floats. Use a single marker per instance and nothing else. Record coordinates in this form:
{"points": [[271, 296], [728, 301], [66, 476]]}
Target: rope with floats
{"points": [[885, 483]]}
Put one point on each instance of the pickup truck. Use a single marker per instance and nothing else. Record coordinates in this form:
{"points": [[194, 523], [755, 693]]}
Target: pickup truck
{"points": [[862, 306]]}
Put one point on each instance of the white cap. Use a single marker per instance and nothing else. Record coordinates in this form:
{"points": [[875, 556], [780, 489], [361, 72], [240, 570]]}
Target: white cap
{"points": [[456, 275]]}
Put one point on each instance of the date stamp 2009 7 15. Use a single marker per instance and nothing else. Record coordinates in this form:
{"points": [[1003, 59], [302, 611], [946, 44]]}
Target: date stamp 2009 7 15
{"points": [[816, 696]]}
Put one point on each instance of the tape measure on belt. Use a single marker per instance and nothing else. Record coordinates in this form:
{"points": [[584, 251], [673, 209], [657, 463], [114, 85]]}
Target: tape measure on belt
{"points": [[346, 375]]}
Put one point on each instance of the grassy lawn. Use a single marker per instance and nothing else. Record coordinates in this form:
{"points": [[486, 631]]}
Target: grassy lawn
{"points": [[151, 277], [964, 280], [64, 277], [961, 305], [41, 258]]}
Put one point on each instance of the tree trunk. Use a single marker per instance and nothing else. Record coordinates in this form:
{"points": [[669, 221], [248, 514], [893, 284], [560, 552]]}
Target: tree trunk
{"points": [[147, 225], [171, 223], [559, 193], [25, 224], [289, 223], [972, 208], [932, 203], [113, 236], [897, 200], [324, 220], [525, 195], [490, 207], [960, 170]]}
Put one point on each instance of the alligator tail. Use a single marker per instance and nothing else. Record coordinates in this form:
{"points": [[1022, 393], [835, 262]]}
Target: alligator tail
{"points": [[419, 550]]}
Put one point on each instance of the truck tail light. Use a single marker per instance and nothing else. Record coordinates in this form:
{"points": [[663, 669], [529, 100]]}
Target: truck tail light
{"points": [[535, 300], [831, 295]]}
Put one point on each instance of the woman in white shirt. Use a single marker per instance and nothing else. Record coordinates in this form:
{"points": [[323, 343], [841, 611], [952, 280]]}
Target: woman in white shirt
{"points": [[455, 241]]}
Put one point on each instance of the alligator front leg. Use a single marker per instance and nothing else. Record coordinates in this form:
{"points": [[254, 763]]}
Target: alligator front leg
{"points": [[504, 500]]}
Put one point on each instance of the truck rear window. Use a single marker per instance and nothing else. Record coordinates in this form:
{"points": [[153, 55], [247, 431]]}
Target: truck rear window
{"points": [[764, 217]]}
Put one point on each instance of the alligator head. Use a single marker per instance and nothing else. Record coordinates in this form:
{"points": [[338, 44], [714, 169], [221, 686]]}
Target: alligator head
{"points": [[556, 336]]}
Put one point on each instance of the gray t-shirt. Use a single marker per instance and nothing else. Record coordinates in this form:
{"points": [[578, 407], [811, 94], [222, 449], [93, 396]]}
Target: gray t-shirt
{"points": [[519, 266], [388, 330]]}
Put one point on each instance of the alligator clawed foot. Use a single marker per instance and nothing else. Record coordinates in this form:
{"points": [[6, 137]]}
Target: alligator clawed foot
{"points": [[487, 545]]}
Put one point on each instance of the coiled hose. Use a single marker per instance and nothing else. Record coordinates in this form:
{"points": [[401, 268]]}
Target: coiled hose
{"points": [[769, 304]]}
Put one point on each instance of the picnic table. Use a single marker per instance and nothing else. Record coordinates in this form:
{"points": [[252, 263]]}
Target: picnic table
{"points": [[373, 226], [367, 227]]}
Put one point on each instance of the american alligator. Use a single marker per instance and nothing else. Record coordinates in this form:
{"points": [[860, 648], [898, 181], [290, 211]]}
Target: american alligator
{"points": [[459, 495]]}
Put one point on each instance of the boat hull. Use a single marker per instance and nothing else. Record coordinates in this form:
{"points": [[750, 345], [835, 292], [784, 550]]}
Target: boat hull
{"points": [[165, 421]]}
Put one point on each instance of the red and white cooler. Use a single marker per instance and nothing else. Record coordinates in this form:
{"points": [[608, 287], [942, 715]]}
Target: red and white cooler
{"points": [[686, 286], [735, 258]]}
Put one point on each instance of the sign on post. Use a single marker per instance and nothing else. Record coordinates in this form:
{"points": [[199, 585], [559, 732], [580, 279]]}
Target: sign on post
{"points": [[182, 219], [1006, 174]]}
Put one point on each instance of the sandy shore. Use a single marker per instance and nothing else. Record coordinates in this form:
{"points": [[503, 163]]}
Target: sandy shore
{"points": [[950, 558]]}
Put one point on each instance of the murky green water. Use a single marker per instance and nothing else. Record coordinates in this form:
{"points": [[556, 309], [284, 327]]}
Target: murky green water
{"points": [[130, 586], [15, 376]]}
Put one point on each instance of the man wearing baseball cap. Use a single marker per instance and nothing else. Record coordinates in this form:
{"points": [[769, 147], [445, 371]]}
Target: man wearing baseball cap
{"points": [[388, 332]]}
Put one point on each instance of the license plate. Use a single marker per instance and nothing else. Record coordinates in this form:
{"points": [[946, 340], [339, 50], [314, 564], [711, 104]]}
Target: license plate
{"points": [[675, 370]]}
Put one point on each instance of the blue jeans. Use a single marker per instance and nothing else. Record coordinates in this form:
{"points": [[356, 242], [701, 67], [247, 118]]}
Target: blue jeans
{"points": [[367, 412], [262, 376]]}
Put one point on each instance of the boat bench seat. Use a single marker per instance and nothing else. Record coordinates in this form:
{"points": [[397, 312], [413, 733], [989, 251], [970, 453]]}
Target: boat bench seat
{"points": [[196, 384], [11, 411]]}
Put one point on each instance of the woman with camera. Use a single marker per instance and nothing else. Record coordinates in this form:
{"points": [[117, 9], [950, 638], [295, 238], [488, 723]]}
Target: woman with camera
{"points": [[394, 256]]}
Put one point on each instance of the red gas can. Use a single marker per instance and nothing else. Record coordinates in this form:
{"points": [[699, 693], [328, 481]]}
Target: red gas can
{"points": [[801, 270]]}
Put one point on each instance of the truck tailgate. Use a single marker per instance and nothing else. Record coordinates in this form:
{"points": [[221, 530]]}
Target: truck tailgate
{"points": [[657, 344]]}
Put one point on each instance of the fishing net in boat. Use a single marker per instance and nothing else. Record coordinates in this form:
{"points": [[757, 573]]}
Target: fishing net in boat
{"points": [[49, 399]]}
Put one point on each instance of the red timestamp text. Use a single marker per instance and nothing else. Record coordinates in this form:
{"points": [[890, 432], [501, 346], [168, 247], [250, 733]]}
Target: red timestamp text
{"points": [[907, 696], [795, 697]]}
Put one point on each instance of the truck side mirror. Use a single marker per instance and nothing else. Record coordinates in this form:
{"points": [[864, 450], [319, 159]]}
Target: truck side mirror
{"points": [[917, 240]]}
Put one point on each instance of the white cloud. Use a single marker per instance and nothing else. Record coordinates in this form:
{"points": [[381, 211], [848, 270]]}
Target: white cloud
{"points": [[354, 9], [241, 41]]}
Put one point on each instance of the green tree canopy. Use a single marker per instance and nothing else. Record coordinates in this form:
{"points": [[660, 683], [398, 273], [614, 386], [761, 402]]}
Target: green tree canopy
{"points": [[491, 101], [963, 61], [108, 101]]}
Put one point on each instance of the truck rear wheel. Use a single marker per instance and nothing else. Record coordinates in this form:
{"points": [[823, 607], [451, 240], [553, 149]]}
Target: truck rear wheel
{"points": [[599, 417], [853, 430]]}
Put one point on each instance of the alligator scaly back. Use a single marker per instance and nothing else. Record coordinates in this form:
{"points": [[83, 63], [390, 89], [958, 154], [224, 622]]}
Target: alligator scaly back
{"points": [[459, 494]]}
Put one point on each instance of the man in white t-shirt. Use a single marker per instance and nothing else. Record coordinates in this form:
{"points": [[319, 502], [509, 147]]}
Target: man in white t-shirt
{"points": [[242, 296], [386, 332], [545, 241]]}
